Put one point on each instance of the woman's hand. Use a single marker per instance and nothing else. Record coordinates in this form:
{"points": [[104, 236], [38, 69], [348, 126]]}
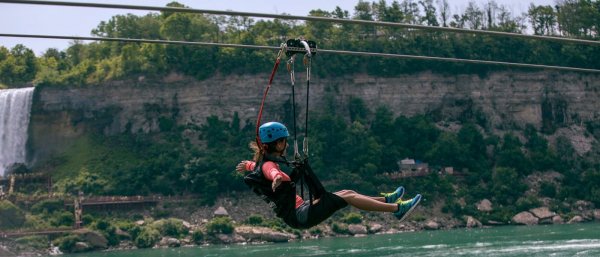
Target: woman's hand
{"points": [[241, 167], [276, 182]]}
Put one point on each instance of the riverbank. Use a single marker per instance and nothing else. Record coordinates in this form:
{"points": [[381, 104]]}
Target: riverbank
{"points": [[248, 220]]}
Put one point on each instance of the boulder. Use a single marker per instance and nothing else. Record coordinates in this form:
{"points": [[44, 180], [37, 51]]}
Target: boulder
{"points": [[484, 205], [140, 222], [432, 225], [122, 234], [525, 218], [95, 239], [263, 234], [238, 239], [597, 214], [81, 247], [375, 228], [187, 225], [473, 222], [223, 238], [576, 219], [495, 223], [557, 220], [582, 205], [357, 229], [169, 242], [5, 252], [543, 213]]}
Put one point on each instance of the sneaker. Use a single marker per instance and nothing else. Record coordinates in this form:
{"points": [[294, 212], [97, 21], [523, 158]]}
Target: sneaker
{"points": [[394, 196], [406, 207]]}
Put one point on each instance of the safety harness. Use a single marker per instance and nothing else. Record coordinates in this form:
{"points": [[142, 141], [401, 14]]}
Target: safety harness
{"points": [[283, 199]]}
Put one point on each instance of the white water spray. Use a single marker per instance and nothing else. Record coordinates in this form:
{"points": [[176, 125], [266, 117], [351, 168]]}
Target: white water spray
{"points": [[15, 107]]}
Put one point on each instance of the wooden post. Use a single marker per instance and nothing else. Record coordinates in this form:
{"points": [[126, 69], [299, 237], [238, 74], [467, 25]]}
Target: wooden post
{"points": [[78, 208], [12, 184]]}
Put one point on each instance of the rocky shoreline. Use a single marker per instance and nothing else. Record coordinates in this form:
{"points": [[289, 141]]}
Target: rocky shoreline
{"points": [[370, 224]]}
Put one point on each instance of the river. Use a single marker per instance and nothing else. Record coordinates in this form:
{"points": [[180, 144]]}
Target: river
{"points": [[547, 240]]}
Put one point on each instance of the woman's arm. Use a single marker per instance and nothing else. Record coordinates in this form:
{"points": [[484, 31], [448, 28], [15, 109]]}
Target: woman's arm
{"points": [[244, 166]]}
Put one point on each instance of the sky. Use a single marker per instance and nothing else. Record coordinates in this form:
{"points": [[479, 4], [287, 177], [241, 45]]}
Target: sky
{"points": [[79, 21]]}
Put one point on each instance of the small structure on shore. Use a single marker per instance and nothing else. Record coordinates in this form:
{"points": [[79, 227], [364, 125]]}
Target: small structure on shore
{"points": [[221, 212]]}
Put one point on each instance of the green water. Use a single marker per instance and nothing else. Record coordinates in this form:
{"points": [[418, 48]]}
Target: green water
{"points": [[550, 240]]}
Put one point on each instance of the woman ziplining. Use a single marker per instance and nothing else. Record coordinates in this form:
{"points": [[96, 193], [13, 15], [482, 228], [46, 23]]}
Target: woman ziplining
{"points": [[275, 179]]}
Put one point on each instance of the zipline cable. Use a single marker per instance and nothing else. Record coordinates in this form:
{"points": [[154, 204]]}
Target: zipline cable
{"points": [[325, 51], [306, 18]]}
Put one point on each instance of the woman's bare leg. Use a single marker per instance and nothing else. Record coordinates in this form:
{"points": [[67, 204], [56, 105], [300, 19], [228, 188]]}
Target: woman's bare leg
{"points": [[366, 203]]}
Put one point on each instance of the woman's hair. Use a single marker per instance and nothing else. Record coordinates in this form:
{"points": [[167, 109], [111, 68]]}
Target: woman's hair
{"points": [[259, 152]]}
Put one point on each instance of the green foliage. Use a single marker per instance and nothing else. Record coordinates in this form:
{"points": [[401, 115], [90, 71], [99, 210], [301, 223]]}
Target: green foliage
{"points": [[108, 230], [197, 236], [66, 243], [48, 206], [35, 242], [147, 237], [18, 65], [506, 185], [547, 189], [62, 219], [11, 216], [255, 220], [36, 222], [220, 225], [170, 227], [527, 202], [352, 218], [340, 228]]}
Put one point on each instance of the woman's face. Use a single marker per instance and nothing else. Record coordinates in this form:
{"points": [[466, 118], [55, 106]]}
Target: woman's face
{"points": [[281, 145]]}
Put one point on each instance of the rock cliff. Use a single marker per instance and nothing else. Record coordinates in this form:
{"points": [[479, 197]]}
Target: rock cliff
{"points": [[500, 100]]}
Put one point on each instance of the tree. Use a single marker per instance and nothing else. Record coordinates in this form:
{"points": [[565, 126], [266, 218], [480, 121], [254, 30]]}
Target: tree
{"points": [[17, 66], [430, 18], [506, 186], [444, 8], [473, 16], [543, 19]]}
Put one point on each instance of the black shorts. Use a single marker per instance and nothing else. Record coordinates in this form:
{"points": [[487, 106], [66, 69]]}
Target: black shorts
{"points": [[311, 215]]}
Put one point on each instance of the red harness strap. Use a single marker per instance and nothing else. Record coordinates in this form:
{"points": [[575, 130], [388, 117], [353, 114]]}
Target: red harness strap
{"points": [[262, 104]]}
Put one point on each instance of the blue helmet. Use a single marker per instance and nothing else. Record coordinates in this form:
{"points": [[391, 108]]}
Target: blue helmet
{"points": [[271, 131]]}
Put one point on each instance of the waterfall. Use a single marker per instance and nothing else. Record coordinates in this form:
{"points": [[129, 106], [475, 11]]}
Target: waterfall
{"points": [[15, 107]]}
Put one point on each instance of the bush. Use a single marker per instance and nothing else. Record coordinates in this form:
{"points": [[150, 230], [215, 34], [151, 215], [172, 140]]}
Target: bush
{"points": [[10, 215], [352, 218], [67, 243], [108, 230], [220, 225], [47, 206], [340, 228], [170, 227], [134, 232], [255, 220], [527, 203], [35, 242], [197, 236], [61, 219], [87, 219], [35, 222], [547, 189], [147, 237]]}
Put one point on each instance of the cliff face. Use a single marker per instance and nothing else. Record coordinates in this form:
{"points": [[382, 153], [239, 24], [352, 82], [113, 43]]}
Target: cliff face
{"points": [[61, 114]]}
